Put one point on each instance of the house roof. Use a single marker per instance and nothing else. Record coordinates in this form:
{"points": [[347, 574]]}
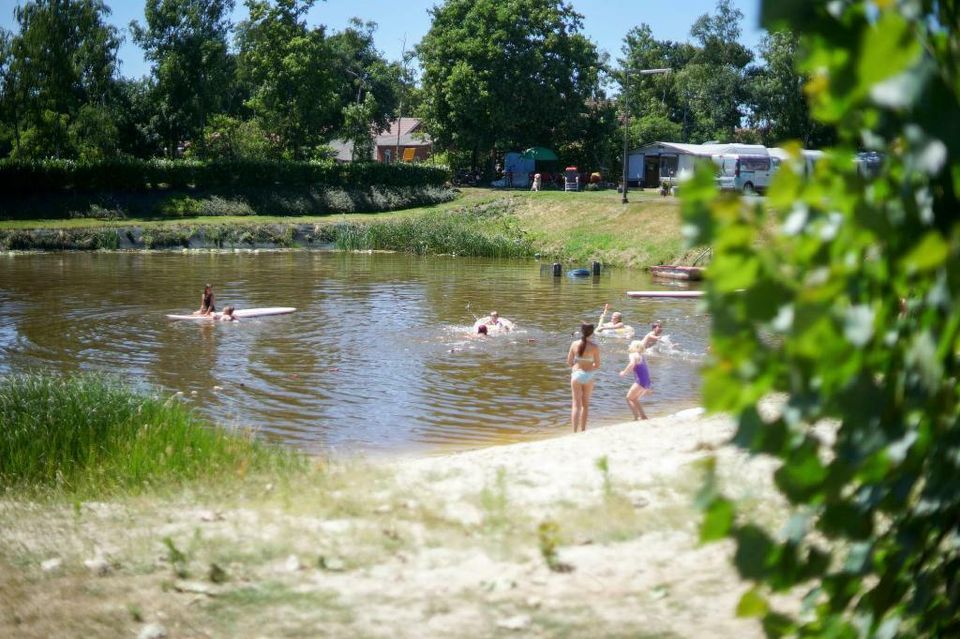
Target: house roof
{"points": [[409, 131], [702, 149]]}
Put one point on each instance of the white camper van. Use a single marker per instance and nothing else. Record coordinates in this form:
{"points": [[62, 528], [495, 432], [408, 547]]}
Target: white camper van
{"points": [[746, 172]]}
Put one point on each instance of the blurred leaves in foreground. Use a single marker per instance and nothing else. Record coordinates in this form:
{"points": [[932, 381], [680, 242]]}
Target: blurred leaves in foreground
{"points": [[842, 293]]}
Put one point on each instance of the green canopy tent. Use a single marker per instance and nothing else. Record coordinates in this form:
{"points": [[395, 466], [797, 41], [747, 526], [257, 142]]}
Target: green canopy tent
{"points": [[545, 160], [540, 153]]}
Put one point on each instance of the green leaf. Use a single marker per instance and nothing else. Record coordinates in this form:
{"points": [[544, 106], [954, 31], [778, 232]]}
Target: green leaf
{"points": [[754, 548], [752, 604], [928, 255], [717, 520], [888, 49]]}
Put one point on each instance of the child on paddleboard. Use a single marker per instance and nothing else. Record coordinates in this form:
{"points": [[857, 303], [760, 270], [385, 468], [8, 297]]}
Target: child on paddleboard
{"points": [[206, 302], [637, 364]]}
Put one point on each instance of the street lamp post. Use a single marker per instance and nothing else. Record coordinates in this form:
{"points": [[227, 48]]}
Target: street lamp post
{"points": [[626, 122]]}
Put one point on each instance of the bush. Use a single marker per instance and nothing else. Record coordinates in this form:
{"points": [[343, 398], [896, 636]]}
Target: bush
{"points": [[846, 302], [90, 433], [53, 176]]}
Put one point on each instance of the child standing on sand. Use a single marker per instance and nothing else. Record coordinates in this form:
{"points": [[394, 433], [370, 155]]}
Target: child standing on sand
{"points": [[641, 376]]}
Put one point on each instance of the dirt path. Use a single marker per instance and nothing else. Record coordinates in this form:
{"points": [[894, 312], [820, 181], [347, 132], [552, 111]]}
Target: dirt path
{"points": [[439, 546]]}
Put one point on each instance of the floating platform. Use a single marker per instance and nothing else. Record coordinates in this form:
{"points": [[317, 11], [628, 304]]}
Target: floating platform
{"points": [[674, 272], [681, 294]]}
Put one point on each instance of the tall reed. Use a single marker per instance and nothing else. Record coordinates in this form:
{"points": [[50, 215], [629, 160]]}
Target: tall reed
{"points": [[91, 433], [476, 232]]}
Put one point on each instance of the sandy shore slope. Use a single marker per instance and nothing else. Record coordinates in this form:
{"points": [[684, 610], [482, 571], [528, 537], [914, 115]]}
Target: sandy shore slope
{"points": [[431, 547]]}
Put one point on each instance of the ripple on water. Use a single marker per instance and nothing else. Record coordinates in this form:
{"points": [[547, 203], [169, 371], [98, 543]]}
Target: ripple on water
{"points": [[380, 355]]}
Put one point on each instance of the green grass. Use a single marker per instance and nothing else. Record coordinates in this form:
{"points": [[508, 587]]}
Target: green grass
{"points": [[482, 230], [89, 433]]}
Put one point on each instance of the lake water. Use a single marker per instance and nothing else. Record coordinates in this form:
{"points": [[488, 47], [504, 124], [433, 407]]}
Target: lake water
{"points": [[379, 358]]}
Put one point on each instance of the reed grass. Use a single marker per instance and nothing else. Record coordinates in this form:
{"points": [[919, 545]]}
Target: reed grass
{"points": [[479, 231], [91, 433]]}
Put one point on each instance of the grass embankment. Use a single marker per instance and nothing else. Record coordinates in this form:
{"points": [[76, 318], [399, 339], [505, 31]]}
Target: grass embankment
{"points": [[563, 537], [90, 435], [570, 227]]}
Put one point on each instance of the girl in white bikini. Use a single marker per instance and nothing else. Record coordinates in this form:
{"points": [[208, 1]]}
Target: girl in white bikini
{"points": [[583, 358]]}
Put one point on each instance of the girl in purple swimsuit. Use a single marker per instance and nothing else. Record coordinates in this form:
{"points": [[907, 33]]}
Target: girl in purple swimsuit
{"points": [[641, 373]]}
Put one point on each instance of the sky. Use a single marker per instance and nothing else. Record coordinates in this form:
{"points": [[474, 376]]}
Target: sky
{"points": [[606, 22]]}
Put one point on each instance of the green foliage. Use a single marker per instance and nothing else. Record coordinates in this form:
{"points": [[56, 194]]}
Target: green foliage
{"points": [[842, 293], [90, 433], [52, 176], [62, 60], [506, 74], [287, 69], [703, 98], [186, 41], [778, 106]]}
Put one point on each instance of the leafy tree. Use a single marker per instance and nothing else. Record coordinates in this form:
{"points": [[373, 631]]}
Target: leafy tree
{"points": [[186, 40], [229, 138], [778, 105], [288, 70], [63, 58], [713, 84], [502, 74], [706, 90], [369, 87], [846, 303], [9, 121]]}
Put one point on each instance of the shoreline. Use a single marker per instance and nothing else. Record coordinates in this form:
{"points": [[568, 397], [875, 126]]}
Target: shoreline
{"points": [[429, 546]]}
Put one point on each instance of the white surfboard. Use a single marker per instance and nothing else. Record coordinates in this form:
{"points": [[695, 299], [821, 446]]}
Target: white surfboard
{"points": [[241, 313]]}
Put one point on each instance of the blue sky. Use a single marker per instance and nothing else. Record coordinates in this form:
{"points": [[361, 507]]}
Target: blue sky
{"points": [[606, 22]]}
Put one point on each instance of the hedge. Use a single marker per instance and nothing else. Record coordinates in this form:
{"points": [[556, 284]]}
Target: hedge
{"points": [[46, 176]]}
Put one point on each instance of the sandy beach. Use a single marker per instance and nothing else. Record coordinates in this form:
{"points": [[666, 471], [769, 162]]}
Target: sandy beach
{"points": [[429, 547]]}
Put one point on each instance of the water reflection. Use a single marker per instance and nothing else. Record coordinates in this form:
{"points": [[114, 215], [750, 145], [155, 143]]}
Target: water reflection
{"points": [[378, 357]]}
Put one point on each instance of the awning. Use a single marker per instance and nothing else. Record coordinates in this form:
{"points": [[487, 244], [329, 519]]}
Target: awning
{"points": [[540, 153]]}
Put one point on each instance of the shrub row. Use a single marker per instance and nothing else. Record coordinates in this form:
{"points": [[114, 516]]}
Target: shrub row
{"points": [[51, 176]]}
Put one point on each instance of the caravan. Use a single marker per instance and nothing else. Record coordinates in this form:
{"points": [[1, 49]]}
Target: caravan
{"points": [[745, 168]]}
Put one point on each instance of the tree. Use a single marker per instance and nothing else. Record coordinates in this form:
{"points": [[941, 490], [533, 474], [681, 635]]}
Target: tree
{"points": [[706, 91], [713, 83], [63, 59], [186, 40], [846, 304], [288, 71], [369, 87], [778, 105], [502, 74]]}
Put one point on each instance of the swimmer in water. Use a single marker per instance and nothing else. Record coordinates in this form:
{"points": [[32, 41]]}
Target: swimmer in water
{"points": [[494, 322], [616, 320]]}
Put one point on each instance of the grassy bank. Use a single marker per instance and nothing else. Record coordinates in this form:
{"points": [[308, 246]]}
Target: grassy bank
{"points": [[566, 537], [570, 227], [93, 435]]}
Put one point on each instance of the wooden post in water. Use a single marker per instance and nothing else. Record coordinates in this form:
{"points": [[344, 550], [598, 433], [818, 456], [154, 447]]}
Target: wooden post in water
{"points": [[557, 269]]}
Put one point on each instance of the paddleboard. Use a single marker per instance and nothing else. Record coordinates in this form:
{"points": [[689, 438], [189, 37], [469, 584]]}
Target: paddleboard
{"points": [[241, 313], [664, 293]]}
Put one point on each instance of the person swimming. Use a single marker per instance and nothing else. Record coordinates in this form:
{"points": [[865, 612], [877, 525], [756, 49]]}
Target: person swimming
{"points": [[494, 322], [583, 358], [616, 320]]}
